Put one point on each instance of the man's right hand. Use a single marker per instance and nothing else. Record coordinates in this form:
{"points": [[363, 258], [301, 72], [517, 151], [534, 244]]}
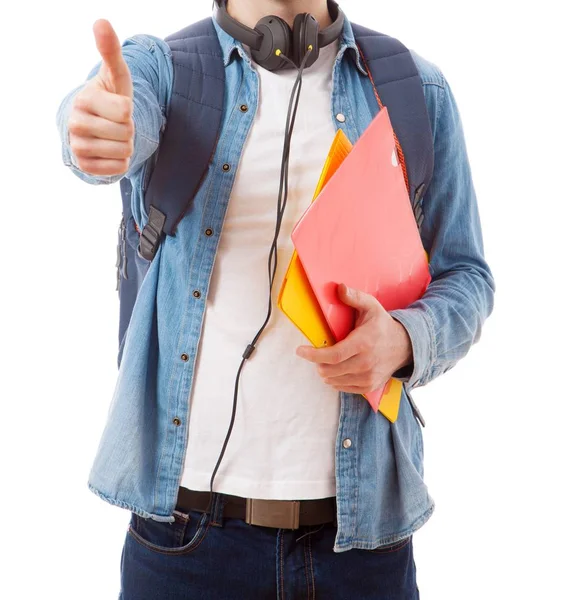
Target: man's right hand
{"points": [[100, 124]]}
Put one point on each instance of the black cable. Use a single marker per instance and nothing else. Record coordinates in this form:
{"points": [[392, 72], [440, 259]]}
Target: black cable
{"points": [[283, 190], [273, 254]]}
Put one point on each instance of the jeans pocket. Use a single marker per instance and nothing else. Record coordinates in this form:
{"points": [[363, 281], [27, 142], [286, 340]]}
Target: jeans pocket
{"points": [[181, 537], [393, 547]]}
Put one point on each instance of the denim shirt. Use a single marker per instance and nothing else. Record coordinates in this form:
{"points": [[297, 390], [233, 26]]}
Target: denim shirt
{"points": [[381, 494]]}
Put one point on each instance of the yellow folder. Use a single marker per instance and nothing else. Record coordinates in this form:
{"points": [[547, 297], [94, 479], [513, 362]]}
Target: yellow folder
{"points": [[298, 302]]}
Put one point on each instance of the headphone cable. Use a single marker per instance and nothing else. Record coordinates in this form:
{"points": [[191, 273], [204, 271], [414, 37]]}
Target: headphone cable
{"points": [[273, 254]]}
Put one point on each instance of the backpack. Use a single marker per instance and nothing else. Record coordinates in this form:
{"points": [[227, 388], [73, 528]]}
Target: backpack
{"points": [[196, 107]]}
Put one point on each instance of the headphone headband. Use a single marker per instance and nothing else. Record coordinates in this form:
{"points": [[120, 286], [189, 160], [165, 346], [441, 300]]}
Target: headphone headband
{"points": [[332, 32], [246, 35], [253, 38]]}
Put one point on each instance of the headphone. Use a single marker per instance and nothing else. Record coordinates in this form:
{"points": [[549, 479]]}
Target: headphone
{"points": [[272, 36]]}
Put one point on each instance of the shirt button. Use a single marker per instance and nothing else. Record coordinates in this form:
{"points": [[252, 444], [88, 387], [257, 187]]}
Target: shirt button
{"points": [[226, 167], [176, 421], [340, 117], [347, 443], [196, 293], [184, 357], [209, 232], [243, 108]]}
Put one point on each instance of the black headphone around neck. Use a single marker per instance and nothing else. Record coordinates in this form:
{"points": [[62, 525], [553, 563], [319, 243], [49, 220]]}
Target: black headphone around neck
{"points": [[272, 36]]}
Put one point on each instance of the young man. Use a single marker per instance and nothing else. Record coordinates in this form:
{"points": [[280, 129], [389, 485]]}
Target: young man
{"points": [[317, 496]]}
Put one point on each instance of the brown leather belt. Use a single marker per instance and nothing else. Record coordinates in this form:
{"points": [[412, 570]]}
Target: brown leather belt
{"points": [[282, 514]]}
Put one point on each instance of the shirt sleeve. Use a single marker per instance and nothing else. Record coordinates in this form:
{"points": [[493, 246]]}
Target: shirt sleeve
{"points": [[150, 63], [448, 319]]}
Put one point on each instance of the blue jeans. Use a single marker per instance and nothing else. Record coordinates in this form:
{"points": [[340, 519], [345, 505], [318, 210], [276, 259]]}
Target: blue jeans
{"points": [[203, 557]]}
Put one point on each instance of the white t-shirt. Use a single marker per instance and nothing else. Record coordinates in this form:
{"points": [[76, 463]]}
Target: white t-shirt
{"points": [[283, 440]]}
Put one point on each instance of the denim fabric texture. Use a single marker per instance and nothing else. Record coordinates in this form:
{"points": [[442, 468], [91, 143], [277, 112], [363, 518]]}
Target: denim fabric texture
{"points": [[188, 560], [381, 494]]}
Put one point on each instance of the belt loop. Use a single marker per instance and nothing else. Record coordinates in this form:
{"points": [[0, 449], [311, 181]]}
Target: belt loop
{"points": [[216, 516]]}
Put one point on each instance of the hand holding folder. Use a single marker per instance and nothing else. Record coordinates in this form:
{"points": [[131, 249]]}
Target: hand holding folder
{"points": [[376, 348], [298, 302], [361, 231]]}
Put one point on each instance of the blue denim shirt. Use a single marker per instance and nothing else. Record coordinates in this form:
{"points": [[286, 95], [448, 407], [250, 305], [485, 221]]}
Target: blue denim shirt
{"points": [[381, 494]]}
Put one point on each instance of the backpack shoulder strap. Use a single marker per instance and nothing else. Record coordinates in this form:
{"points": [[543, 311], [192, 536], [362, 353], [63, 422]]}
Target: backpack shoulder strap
{"points": [[192, 129], [397, 81]]}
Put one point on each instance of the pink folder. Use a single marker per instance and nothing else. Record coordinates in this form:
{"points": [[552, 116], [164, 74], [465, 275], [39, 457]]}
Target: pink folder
{"points": [[361, 231]]}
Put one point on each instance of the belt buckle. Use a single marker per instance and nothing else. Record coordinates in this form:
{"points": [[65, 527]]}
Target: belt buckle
{"points": [[282, 514]]}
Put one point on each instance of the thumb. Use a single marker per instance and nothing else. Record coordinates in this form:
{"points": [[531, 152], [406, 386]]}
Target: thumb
{"points": [[109, 48], [356, 298]]}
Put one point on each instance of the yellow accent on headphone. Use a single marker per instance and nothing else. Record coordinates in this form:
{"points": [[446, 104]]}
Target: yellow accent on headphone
{"points": [[278, 52]]}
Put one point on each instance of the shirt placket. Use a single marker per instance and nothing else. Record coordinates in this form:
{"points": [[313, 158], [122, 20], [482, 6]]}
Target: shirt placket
{"points": [[346, 446], [223, 168]]}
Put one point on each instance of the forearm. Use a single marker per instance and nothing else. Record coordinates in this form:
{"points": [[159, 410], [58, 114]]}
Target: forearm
{"points": [[448, 319], [446, 322]]}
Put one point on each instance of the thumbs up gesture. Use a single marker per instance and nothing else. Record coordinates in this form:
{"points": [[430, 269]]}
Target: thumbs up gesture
{"points": [[100, 124]]}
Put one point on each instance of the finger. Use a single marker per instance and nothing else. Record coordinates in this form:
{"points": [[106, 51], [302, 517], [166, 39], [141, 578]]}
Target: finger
{"points": [[85, 124], [364, 380], [91, 147], [352, 345], [356, 298], [359, 363], [101, 103], [331, 355], [109, 47], [102, 166]]}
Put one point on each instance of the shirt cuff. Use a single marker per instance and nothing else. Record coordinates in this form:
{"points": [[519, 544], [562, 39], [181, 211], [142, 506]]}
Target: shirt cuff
{"points": [[421, 334]]}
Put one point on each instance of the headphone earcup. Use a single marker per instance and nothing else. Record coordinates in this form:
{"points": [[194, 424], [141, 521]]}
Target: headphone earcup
{"points": [[276, 36], [305, 33]]}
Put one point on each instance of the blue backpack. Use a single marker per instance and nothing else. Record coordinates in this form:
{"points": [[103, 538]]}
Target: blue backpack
{"points": [[195, 112]]}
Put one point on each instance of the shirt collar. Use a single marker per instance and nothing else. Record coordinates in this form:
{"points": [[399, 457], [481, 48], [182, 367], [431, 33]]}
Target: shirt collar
{"points": [[348, 42], [229, 45]]}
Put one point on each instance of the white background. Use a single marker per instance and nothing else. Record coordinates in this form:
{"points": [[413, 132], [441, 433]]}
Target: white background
{"points": [[493, 440]]}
